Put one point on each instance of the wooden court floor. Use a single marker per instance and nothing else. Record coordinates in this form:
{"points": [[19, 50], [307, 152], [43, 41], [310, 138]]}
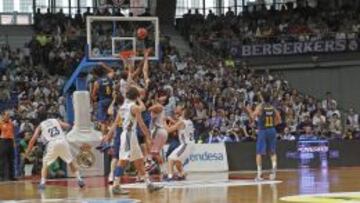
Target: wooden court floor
{"points": [[198, 188]]}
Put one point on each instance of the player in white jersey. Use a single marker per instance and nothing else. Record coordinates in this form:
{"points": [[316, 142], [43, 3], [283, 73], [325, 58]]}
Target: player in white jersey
{"points": [[185, 130], [159, 134], [130, 149], [51, 132]]}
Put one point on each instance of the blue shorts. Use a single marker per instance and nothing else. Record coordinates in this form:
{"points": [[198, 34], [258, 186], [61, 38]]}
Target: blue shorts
{"points": [[117, 140], [147, 119], [102, 108], [266, 141]]}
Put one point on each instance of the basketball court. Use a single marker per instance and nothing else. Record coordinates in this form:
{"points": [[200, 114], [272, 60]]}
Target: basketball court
{"points": [[334, 185]]}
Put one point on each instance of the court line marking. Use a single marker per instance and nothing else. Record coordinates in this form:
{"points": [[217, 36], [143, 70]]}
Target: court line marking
{"points": [[202, 183], [350, 197], [71, 200]]}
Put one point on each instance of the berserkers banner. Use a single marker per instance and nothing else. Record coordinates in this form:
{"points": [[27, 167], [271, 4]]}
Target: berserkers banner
{"points": [[295, 48]]}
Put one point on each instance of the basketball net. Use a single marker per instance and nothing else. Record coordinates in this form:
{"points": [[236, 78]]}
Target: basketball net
{"points": [[127, 57]]}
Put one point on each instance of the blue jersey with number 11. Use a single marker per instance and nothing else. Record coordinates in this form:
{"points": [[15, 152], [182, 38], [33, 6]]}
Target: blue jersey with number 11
{"points": [[267, 117]]}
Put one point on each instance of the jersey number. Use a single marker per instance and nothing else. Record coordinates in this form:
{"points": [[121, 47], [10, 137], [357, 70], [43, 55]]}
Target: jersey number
{"points": [[108, 90], [269, 122], [54, 132]]}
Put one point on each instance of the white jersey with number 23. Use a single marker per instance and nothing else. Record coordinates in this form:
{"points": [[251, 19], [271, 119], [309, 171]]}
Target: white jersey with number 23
{"points": [[51, 130]]}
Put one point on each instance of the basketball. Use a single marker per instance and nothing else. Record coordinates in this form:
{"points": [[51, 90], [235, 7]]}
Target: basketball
{"points": [[142, 33]]}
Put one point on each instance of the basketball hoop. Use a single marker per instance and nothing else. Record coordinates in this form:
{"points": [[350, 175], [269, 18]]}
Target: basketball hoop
{"points": [[126, 54]]}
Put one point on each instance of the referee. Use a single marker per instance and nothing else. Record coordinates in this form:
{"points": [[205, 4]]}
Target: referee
{"points": [[7, 132]]}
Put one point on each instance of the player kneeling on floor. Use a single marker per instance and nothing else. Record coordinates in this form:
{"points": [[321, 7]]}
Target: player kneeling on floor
{"points": [[51, 131], [185, 128]]}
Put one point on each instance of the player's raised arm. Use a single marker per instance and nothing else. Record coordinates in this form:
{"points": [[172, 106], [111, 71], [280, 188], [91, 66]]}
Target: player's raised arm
{"points": [[109, 70], [146, 68], [113, 127], [32, 141], [94, 91], [255, 113], [277, 119], [138, 70]]}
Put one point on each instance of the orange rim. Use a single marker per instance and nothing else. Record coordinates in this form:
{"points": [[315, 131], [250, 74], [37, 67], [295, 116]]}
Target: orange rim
{"points": [[127, 54]]}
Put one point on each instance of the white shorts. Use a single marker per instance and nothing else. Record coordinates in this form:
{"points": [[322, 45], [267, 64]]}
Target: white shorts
{"points": [[159, 138], [55, 149], [129, 147], [181, 153]]}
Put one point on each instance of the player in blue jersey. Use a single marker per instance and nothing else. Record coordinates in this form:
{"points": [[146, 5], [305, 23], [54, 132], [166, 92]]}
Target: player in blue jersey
{"points": [[102, 93], [267, 118]]}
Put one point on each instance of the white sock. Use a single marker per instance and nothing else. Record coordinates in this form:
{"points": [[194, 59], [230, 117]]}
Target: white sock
{"points": [[147, 179], [274, 167], [78, 176], [162, 169], [112, 169], [111, 176], [117, 181], [259, 171], [43, 180]]}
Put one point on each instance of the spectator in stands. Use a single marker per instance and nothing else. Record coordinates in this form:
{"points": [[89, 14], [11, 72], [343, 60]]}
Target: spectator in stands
{"points": [[37, 16], [210, 17], [55, 170], [146, 13], [224, 137], [332, 110], [319, 122], [23, 144], [78, 19], [308, 134], [36, 158], [287, 135], [26, 127], [230, 13], [118, 12], [335, 128], [305, 124], [4, 91], [199, 119], [328, 101], [352, 124]]}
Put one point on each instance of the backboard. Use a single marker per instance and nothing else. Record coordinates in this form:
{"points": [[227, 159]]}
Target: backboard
{"points": [[107, 36]]}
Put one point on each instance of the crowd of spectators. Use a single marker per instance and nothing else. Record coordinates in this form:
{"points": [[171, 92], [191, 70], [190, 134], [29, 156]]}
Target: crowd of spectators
{"points": [[218, 90], [260, 24], [28, 93], [221, 93]]}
